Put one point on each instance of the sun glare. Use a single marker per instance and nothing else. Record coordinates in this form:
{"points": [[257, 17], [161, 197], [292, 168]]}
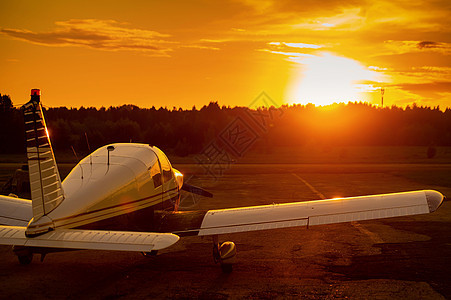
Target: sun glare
{"points": [[326, 78]]}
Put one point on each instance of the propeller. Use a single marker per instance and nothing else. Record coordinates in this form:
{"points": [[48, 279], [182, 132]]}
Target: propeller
{"points": [[196, 190]]}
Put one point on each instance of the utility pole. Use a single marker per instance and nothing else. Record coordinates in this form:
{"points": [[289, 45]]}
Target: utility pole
{"points": [[382, 96]]}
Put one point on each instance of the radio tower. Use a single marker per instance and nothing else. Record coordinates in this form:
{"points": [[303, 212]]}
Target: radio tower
{"points": [[382, 96]]}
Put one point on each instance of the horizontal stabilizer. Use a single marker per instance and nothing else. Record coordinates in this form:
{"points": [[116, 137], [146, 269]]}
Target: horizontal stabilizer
{"points": [[89, 239], [14, 211]]}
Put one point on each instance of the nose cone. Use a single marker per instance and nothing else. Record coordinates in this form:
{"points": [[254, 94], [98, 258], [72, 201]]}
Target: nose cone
{"points": [[434, 199]]}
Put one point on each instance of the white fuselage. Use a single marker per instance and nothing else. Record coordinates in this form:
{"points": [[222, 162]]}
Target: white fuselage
{"points": [[110, 183]]}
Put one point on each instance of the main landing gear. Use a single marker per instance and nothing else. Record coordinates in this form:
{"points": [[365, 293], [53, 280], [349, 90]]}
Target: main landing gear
{"points": [[152, 253], [224, 254], [24, 255]]}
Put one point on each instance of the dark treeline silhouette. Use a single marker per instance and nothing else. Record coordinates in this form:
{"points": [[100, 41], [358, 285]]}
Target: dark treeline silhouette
{"points": [[188, 131]]}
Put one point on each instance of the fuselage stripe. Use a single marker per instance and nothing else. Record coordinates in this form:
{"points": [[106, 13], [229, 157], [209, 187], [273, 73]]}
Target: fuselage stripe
{"points": [[139, 202], [111, 214]]}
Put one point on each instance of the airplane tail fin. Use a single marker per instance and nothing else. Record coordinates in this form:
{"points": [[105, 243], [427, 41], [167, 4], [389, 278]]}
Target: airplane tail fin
{"points": [[45, 182]]}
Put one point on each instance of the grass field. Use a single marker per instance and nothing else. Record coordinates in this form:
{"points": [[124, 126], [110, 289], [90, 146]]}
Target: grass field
{"points": [[303, 154], [291, 156]]}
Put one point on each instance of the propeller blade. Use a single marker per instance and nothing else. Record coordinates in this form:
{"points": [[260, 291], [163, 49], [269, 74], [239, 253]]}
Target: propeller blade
{"points": [[196, 190]]}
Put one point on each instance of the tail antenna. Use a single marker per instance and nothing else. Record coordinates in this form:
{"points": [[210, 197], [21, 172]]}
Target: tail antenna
{"points": [[87, 142], [75, 153], [89, 148], [76, 157]]}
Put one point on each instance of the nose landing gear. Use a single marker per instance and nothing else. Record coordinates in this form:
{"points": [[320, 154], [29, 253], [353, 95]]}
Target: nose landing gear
{"points": [[225, 254]]}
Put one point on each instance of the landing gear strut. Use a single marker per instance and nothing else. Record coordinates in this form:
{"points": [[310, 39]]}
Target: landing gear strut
{"points": [[224, 254]]}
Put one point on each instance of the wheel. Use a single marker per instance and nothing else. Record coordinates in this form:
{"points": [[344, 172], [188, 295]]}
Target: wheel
{"points": [[25, 259], [150, 254], [227, 268]]}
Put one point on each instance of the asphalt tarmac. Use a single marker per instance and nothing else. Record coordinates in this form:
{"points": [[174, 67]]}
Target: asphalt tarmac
{"points": [[406, 257]]}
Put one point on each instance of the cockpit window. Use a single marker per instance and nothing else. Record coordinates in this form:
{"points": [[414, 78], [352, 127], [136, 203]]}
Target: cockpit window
{"points": [[167, 175], [165, 165], [155, 174]]}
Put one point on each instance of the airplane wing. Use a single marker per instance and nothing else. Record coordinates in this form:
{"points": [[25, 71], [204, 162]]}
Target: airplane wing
{"points": [[15, 211], [89, 239], [308, 213]]}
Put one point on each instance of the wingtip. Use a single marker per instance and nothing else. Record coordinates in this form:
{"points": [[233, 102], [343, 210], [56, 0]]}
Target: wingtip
{"points": [[434, 199], [165, 240]]}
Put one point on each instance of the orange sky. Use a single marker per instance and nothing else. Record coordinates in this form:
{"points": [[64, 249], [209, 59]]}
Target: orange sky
{"points": [[185, 53]]}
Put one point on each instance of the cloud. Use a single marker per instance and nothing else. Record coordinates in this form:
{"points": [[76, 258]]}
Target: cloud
{"points": [[433, 69], [98, 34], [427, 91], [295, 52], [286, 49], [417, 46], [296, 45], [428, 44], [350, 19], [200, 47], [376, 68], [290, 54], [431, 87]]}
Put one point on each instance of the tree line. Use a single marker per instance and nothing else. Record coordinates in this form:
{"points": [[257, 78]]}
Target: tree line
{"points": [[186, 132]]}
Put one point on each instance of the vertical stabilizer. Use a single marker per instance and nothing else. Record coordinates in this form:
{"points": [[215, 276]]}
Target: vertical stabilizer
{"points": [[45, 182]]}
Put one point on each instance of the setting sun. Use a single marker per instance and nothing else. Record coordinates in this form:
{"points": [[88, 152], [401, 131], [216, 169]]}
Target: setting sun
{"points": [[326, 78]]}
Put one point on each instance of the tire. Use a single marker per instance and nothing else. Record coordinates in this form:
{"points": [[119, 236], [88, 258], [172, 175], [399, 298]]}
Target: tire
{"points": [[227, 268], [150, 254], [25, 259]]}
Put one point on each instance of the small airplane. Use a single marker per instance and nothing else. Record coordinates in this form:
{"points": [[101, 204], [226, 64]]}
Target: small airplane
{"points": [[125, 197]]}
